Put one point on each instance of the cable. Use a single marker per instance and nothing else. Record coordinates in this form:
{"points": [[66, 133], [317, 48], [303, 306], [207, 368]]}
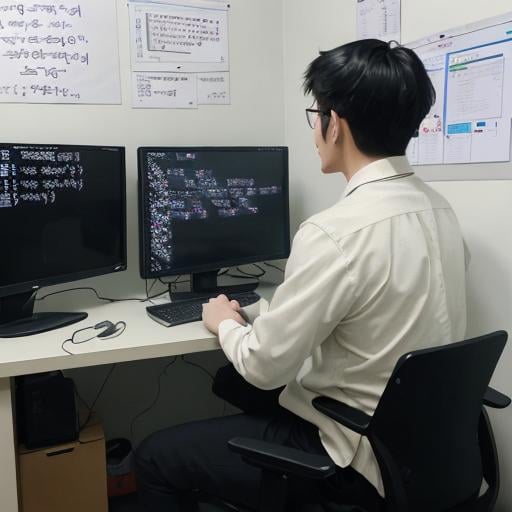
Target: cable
{"points": [[148, 298], [273, 266], [87, 406], [182, 357], [76, 342], [87, 288], [102, 387], [259, 267], [256, 276], [155, 400], [172, 284], [159, 389], [240, 277], [151, 287], [145, 299], [155, 296], [120, 328]]}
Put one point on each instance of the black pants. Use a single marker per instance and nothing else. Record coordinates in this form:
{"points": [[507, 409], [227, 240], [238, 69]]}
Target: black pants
{"points": [[177, 463]]}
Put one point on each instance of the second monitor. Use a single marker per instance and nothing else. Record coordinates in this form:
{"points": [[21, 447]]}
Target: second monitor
{"points": [[205, 208]]}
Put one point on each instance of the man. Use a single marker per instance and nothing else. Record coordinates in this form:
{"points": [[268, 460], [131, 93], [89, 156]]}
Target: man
{"points": [[378, 274]]}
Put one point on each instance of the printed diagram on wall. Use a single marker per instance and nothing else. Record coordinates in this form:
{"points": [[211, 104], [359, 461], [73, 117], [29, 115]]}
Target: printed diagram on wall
{"points": [[179, 53], [471, 70], [59, 52], [379, 19]]}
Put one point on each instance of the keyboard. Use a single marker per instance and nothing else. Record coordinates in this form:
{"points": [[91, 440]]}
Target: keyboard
{"points": [[185, 311]]}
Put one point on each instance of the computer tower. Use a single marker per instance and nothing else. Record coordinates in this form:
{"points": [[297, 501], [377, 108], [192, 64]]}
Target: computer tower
{"points": [[46, 410]]}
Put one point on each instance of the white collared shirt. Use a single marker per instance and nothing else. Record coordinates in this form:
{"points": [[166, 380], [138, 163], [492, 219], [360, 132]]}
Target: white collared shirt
{"points": [[377, 275]]}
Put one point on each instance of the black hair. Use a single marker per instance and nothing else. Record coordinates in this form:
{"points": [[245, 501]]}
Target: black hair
{"points": [[383, 92]]}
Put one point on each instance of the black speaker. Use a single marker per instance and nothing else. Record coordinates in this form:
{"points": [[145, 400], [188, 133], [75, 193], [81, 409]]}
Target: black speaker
{"points": [[46, 410]]}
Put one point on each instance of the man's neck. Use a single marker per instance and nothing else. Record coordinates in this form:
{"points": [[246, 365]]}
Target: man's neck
{"points": [[356, 162]]}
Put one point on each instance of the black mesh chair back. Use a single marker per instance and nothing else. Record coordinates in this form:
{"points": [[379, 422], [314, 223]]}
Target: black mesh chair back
{"points": [[425, 428]]}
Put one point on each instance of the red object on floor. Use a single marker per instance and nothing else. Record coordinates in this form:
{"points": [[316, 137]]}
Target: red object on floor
{"points": [[119, 485]]}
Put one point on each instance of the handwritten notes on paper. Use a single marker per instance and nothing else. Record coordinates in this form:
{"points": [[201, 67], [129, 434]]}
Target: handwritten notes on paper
{"points": [[61, 52], [190, 39], [213, 88], [165, 90], [379, 19]]}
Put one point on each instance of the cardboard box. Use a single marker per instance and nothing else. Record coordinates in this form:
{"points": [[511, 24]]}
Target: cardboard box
{"points": [[67, 477]]}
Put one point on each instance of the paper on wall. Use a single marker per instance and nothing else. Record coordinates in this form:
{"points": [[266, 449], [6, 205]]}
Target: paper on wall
{"points": [[213, 89], [379, 19], [178, 38], [59, 52], [164, 90], [470, 69]]}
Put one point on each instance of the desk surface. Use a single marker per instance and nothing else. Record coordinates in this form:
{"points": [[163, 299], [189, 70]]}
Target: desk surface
{"points": [[143, 338]]}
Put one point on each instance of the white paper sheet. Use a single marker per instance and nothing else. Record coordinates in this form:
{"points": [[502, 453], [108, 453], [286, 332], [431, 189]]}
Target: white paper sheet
{"points": [[213, 89], [59, 52], [166, 37], [164, 90], [379, 19]]}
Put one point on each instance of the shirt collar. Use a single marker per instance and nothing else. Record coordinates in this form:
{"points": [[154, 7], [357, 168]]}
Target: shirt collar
{"points": [[387, 168]]}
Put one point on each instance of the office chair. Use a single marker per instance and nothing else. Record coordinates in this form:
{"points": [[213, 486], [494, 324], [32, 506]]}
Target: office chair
{"points": [[430, 434]]}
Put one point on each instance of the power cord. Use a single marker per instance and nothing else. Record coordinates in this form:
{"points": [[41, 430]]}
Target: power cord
{"points": [[111, 331], [246, 275], [98, 394], [257, 276], [172, 284], [224, 405], [155, 400], [159, 389], [109, 299], [204, 370], [91, 289], [273, 266]]}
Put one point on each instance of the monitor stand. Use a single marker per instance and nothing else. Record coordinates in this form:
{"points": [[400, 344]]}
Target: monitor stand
{"points": [[204, 285], [17, 317]]}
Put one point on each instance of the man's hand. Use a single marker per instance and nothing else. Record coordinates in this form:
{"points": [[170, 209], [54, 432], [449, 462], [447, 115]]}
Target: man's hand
{"points": [[220, 309]]}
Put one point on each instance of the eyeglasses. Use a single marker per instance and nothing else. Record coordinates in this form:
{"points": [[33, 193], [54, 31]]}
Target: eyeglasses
{"points": [[312, 116]]}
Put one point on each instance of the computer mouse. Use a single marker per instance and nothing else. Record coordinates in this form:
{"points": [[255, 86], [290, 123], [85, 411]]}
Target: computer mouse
{"points": [[108, 329]]}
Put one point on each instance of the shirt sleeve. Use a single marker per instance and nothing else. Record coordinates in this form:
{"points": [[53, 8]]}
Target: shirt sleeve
{"points": [[315, 296]]}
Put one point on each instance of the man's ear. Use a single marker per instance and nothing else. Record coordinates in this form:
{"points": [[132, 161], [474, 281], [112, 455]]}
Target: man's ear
{"points": [[336, 130]]}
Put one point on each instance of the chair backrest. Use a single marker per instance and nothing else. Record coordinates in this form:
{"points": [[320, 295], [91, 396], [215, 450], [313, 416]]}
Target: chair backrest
{"points": [[427, 420]]}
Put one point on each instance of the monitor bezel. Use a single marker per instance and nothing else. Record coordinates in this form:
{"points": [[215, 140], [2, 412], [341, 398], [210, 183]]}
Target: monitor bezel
{"points": [[144, 239], [35, 284]]}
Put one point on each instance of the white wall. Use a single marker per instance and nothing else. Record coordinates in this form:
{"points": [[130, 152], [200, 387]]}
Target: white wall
{"points": [[484, 208], [255, 117], [309, 26]]}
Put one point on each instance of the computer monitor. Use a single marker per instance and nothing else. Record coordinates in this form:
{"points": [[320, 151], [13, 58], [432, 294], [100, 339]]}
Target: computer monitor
{"points": [[63, 217], [205, 208]]}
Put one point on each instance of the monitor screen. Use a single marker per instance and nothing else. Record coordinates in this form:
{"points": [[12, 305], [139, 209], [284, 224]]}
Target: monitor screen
{"points": [[62, 212], [206, 208]]}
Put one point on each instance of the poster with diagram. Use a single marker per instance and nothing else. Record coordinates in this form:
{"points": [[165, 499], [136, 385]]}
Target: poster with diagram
{"points": [[189, 38], [471, 70]]}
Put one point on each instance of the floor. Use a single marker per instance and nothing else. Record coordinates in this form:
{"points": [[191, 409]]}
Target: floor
{"points": [[129, 504]]}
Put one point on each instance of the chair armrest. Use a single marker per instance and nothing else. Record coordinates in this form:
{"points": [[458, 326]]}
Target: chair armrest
{"points": [[350, 417], [495, 399], [282, 459]]}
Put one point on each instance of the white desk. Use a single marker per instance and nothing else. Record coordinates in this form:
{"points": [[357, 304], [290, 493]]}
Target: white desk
{"points": [[143, 338]]}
